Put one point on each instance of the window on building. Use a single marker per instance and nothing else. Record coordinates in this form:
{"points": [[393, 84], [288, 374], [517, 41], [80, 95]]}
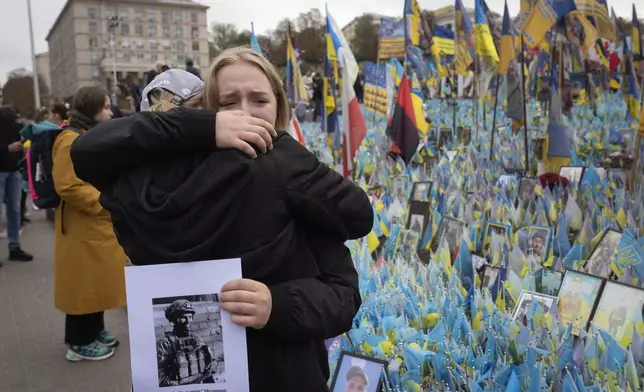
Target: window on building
{"points": [[139, 44], [110, 11], [181, 58], [93, 26], [166, 31], [138, 15], [154, 57], [93, 42], [125, 29], [154, 45], [125, 44], [140, 57], [181, 46], [195, 46], [138, 30], [152, 30], [165, 16], [92, 12], [124, 14], [126, 58], [193, 17], [167, 45], [178, 17], [178, 33], [152, 15], [195, 32], [96, 58]]}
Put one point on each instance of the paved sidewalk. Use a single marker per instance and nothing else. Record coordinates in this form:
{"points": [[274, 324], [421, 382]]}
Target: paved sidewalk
{"points": [[32, 351]]}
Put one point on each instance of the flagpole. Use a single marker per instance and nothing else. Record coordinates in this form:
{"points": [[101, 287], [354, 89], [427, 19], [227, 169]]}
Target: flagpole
{"points": [[525, 114], [496, 102]]}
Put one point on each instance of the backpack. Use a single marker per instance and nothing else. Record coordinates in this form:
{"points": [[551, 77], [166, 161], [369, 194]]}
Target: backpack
{"points": [[40, 164]]}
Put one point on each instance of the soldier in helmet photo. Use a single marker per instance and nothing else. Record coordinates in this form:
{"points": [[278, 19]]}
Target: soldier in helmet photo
{"points": [[183, 358]]}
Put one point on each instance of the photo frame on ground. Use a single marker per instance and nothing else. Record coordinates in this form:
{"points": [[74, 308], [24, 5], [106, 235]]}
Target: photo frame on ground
{"points": [[444, 136], [449, 228], [421, 191], [399, 184], [573, 174], [407, 243], [493, 227], [479, 261], [619, 310], [598, 262], [356, 372], [491, 276], [418, 217], [526, 189], [578, 297], [526, 298], [539, 239], [548, 281]]}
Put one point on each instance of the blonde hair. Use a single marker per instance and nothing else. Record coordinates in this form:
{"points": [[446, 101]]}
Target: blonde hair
{"points": [[234, 55], [161, 101]]}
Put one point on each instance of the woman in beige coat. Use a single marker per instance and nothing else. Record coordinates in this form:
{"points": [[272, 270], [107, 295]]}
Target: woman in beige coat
{"points": [[89, 262]]}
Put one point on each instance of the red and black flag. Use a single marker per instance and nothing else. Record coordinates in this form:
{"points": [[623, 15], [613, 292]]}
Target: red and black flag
{"points": [[402, 129]]}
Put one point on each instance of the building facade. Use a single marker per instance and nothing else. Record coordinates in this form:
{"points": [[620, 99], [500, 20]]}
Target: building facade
{"points": [[44, 76], [349, 31], [80, 41]]}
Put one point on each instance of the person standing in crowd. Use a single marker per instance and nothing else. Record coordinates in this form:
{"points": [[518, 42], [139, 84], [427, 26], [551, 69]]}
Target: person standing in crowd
{"points": [[88, 261], [124, 101], [318, 97], [284, 213], [58, 113], [358, 86], [11, 153], [190, 67], [133, 90], [158, 68]]}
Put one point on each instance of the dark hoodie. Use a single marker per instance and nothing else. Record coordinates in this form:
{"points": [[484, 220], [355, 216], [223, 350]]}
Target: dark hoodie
{"points": [[9, 133], [285, 213]]}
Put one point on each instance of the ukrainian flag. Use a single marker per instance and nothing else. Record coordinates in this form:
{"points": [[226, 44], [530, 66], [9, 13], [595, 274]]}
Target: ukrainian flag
{"points": [[330, 115], [636, 37], [412, 21], [632, 95], [254, 44], [465, 40], [443, 40], [557, 144], [484, 43], [542, 17], [295, 87], [506, 49]]}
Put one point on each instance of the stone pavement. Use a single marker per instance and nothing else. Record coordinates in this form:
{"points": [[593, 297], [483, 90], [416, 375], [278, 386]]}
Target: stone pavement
{"points": [[32, 350]]}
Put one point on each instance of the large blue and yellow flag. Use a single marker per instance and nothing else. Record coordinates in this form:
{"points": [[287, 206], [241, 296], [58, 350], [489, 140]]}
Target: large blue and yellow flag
{"points": [[254, 44], [557, 143], [329, 112], [506, 47], [295, 87], [636, 37], [464, 40], [542, 17], [603, 22], [484, 43], [632, 92], [412, 21]]}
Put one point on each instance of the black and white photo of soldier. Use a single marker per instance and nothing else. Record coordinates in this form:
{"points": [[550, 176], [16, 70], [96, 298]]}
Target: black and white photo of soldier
{"points": [[189, 340], [420, 190], [526, 188], [599, 262], [538, 239], [416, 223]]}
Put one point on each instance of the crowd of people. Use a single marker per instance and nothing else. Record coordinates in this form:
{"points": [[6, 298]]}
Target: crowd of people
{"points": [[269, 201]]}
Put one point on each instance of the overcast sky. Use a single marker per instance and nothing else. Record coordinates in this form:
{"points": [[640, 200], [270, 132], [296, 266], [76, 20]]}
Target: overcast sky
{"points": [[14, 29]]}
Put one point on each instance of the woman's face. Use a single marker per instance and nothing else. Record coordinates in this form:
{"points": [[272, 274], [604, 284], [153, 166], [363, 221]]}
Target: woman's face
{"points": [[356, 384], [105, 113], [244, 87]]}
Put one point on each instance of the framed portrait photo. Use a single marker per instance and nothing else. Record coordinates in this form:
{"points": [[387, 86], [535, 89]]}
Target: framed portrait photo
{"points": [[598, 262], [489, 229], [421, 191], [524, 303], [407, 243], [478, 261], [418, 217], [444, 136], [573, 174], [449, 228], [526, 188], [355, 372], [539, 238], [399, 185], [491, 276], [549, 281], [619, 310], [578, 295]]}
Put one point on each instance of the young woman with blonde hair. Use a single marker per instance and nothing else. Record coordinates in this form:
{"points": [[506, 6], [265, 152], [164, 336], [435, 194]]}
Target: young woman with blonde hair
{"points": [[177, 194]]}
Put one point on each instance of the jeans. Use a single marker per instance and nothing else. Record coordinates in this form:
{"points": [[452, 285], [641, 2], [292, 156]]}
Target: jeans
{"points": [[10, 191]]}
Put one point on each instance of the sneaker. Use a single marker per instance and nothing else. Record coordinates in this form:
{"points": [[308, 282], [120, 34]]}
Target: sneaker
{"points": [[88, 352], [19, 255], [106, 339]]}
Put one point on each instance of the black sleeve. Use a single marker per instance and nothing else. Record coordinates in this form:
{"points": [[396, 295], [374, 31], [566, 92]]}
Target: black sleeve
{"points": [[119, 145], [317, 308], [319, 195]]}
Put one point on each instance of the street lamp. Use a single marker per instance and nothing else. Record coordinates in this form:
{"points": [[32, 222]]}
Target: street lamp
{"points": [[112, 24], [33, 58]]}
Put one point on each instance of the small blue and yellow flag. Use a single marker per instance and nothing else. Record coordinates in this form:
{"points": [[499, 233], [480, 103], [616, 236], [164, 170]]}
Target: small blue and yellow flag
{"points": [[484, 44], [254, 44]]}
